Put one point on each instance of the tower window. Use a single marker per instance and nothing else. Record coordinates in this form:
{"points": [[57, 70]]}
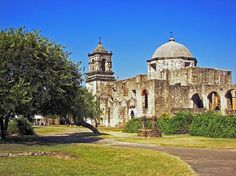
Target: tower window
{"points": [[153, 66], [133, 93], [92, 65], [103, 65], [186, 64]]}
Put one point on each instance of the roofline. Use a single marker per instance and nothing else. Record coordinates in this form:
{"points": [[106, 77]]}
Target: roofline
{"points": [[100, 52], [165, 58]]}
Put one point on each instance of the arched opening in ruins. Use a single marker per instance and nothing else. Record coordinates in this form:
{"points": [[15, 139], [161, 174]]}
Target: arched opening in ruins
{"points": [[214, 101], [197, 101], [132, 114], [231, 99], [103, 65], [145, 99]]}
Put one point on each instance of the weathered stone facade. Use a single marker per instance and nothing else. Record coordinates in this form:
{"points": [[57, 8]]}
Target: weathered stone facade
{"points": [[173, 83]]}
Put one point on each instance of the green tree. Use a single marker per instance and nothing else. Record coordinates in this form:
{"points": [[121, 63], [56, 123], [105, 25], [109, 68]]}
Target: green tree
{"points": [[36, 77], [85, 106]]}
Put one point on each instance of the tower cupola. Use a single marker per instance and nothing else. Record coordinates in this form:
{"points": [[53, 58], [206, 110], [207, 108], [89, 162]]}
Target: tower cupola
{"points": [[100, 65]]}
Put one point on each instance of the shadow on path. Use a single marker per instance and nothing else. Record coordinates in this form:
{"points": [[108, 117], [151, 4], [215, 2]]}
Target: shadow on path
{"points": [[67, 138], [205, 162]]}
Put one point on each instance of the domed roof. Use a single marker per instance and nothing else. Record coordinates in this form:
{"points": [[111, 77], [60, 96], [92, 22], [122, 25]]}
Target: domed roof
{"points": [[172, 49], [99, 48]]}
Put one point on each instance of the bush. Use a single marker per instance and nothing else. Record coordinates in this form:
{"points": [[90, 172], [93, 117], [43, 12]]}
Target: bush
{"points": [[20, 126], [12, 128], [209, 124], [213, 124], [133, 125], [177, 124]]}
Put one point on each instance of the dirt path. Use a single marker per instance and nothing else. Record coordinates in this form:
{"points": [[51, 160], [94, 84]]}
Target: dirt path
{"points": [[205, 162]]}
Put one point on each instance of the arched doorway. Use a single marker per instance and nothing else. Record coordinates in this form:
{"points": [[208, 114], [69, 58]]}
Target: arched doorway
{"points": [[132, 114], [197, 101], [231, 99], [132, 105], [214, 101]]}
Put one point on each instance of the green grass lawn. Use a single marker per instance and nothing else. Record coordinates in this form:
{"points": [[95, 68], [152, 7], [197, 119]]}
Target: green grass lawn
{"points": [[101, 159], [183, 140], [90, 159], [55, 129]]}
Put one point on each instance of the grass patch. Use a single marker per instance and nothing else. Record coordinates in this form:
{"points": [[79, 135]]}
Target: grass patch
{"points": [[109, 129], [55, 129], [92, 160], [183, 140]]}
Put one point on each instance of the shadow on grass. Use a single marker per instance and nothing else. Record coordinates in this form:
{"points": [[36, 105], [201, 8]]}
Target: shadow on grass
{"points": [[81, 137]]}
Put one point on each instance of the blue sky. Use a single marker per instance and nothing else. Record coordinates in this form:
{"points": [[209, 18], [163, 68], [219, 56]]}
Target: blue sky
{"points": [[132, 29]]}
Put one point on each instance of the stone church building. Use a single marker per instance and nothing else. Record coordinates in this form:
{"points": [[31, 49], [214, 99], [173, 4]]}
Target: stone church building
{"points": [[173, 83]]}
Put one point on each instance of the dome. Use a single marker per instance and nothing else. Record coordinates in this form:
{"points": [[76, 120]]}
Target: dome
{"points": [[172, 49], [99, 48]]}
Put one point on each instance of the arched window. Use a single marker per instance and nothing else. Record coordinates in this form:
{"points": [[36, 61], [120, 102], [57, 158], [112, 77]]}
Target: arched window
{"points": [[145, 99], [197, 102], [214, 101], [103, 65], [92, 65]]}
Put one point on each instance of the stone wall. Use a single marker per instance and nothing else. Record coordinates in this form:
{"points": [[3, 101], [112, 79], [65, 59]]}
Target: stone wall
{"points": [[198, 75], [164, 96], [157, 67], [161, 95], [192, 110]]}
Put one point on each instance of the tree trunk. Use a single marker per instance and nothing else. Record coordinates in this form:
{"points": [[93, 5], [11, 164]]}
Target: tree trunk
{"points": [[87, 125], [6, 123], [2, 127]]}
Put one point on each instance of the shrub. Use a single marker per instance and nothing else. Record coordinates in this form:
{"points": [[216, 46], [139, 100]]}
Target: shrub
{"points": [[133, 125], [20, 126], [177, 124], [213, 125], [209, 124], [12, 128]]}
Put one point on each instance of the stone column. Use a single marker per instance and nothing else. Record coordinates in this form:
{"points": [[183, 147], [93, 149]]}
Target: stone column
{"points": [[233, 103], [213, 101]]}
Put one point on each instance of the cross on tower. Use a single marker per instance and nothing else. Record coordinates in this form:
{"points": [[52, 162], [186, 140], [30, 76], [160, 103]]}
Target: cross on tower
{"points": [[100, 40]]}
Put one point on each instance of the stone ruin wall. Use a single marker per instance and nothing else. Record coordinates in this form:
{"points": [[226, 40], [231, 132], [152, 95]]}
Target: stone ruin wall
{"points": [[162, 96], [197, 75], [180, 97], [115, 97]]}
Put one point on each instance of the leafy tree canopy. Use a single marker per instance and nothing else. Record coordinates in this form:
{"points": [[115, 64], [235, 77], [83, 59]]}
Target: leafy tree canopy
{"points": [[36, 76]]}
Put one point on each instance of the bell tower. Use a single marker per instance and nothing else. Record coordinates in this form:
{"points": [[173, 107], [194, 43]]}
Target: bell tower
{"points": [[100, 68]]}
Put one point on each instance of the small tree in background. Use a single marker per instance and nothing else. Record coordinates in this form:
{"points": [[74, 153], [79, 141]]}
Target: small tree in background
{"points": [[85, 106]]}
